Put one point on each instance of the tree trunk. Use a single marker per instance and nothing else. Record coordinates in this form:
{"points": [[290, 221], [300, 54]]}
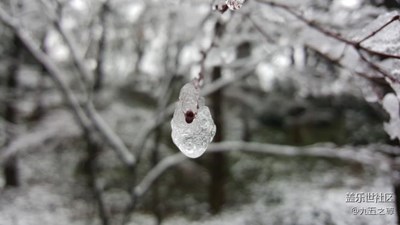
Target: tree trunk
{"points": [[396, 188], [90, 168], [218, 161], [99, 73], [10, 168], [155, 158]]}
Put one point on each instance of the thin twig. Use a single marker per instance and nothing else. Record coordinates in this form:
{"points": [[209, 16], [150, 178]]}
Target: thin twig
{"points": [[77, 57], [261, 30], [116, 143], [379, 29]]}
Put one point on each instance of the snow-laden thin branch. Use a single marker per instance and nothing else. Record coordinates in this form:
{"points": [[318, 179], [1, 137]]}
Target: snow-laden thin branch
{"points": [[56, 126], [260, 29], [76, 56], [368, 155], [56, 74], [157, 171], [106, 131], [363, 155], [356, 44], [51, 68]]}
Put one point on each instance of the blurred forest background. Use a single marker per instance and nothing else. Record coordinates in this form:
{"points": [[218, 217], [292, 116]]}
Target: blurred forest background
{"points": [[304, 95]]}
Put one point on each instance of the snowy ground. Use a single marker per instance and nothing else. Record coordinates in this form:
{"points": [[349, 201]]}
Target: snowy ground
{"points": [[53, 194], [60, 201]]}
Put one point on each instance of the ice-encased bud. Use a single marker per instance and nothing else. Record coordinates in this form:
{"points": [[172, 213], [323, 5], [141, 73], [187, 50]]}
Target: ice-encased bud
{"points": [[234, 4], [189, 97], [192, 137]]}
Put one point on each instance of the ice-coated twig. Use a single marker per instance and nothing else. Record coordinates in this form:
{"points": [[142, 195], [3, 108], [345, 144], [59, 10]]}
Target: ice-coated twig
{"points": [[229, 4]]}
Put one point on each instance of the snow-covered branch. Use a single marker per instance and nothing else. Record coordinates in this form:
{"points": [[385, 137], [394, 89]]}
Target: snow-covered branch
{"points": [[116, 143], [55, 73], [368, 155], [355, 43], [55, 126]]}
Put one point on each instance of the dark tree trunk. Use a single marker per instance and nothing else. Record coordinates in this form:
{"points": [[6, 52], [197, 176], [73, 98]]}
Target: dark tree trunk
{"points": [[155, 158], [218, 161], [243, 50], [396, 184], [396, 187], [246, 135], [39, 110], [11, 172], [90, 168], [99, 73]]}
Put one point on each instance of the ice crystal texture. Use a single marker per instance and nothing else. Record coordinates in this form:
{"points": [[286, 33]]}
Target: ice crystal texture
{"points": [[192, 135], [234, 4]]}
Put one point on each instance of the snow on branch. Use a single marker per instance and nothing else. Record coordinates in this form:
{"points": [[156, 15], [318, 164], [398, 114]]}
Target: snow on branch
{"points": [[368, 155], [56, 126], [106, 131], [84, 119], [77, 56], [356, 43]]}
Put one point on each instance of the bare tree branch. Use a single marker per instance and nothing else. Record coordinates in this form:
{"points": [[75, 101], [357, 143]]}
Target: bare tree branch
{"points": [[157, 171], [53, 127], [337, 36], [367, 155], [51, 68], [116, 143], [55, 73], [260, 29], [77, 56]]}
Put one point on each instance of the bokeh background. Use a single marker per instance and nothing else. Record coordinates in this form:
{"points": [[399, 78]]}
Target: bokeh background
{"points": [[87, 91]]}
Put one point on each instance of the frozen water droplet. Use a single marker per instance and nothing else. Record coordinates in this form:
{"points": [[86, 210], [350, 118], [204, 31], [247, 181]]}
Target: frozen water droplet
{"points": [[192, 135], [234, 4]]}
